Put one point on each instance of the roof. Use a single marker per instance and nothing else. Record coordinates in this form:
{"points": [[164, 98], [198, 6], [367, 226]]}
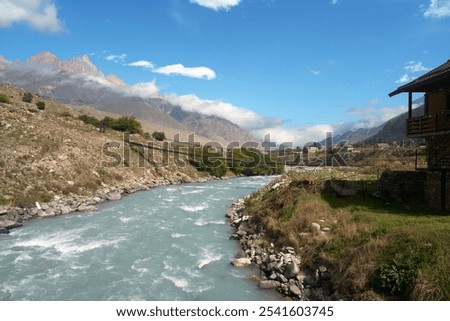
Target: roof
{"points": [[435, 79]]}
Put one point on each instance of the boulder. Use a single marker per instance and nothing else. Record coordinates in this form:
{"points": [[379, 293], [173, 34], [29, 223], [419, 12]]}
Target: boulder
{"points": [[241, 262], [314, 228], [269, 284], [291, 270], [295, 290], [4, 230], [86, 208], [8, 224], [113, 196]]}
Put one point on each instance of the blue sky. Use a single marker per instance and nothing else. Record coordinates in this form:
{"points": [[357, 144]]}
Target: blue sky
{"points": [[294, 68]]}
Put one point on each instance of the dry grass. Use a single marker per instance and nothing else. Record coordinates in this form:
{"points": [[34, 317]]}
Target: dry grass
{"points": [[364, 234]]}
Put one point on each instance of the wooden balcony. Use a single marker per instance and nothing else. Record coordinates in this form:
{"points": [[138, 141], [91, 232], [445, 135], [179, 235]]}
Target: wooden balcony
{"points": [[428, 125]]}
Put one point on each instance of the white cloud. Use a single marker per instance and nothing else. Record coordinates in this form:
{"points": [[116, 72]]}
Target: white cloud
{"points": [[315, 72], [194, 72], [438, 9], [142, 63], [39, 14], [411, 67], [415, 66], [296, 136], [116, 58], [242, 117], [217, 4], [143, 90], [370, 116], [334, 1]]}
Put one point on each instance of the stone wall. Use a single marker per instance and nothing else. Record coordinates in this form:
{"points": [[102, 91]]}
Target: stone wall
{"points": [[413, 188]]}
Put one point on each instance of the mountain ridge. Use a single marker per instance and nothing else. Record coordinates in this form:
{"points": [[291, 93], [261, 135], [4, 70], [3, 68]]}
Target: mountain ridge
{"points": [[78, 81]]}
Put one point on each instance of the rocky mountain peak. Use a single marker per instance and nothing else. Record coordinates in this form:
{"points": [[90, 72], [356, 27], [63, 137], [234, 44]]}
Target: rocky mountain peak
{"points": [[116, 81]]}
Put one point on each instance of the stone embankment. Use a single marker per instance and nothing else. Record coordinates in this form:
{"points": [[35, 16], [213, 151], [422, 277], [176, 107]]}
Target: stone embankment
{"points": [[280, 269], [13, 217]]}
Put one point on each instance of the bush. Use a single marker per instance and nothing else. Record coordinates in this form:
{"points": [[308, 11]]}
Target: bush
{"points": [[27, 97], [123, 124], [40, 105], [160, 136], [394, 278], [4, 99], [89, 120]]}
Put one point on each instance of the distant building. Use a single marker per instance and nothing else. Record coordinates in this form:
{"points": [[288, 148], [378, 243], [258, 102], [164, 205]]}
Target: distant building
{"points": [[434, 125]]}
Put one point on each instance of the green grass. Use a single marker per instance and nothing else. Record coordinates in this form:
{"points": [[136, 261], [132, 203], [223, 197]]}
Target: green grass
{"points": [[378, 250]]}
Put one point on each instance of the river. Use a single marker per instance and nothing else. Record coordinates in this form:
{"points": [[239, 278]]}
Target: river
{"points": [[169, 243]]}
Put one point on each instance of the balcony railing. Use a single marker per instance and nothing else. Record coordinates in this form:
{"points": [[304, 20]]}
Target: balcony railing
{"points": [[429, 124]]}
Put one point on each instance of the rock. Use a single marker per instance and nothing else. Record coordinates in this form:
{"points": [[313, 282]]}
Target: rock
{"points": [[295, 290], [86, 208], [4, 231], [32, 211], [48, 213], [44, 207], [269, 284], [241, 262], [282, 278], [326, 229], [314, 228], [113, 196], [291, 270], [65, 209], [3, 211], [8, 224]]}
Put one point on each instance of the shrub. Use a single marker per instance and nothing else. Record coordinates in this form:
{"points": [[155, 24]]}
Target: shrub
{"points": [[394, 278], [40, 105], [89, 120], [27, 97], [160, 136], [123, 124], [4, 99]]}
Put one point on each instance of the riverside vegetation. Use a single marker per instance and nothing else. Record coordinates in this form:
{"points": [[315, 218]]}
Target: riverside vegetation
{"points": [[352, 245], [53, 154], [356, 248]]}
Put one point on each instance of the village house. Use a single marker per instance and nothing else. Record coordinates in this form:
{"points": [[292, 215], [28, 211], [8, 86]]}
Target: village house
{"points": [[434, 127]]}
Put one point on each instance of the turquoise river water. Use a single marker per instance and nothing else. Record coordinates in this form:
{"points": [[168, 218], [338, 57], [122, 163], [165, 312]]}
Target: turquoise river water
{"points": [[169, 243]]}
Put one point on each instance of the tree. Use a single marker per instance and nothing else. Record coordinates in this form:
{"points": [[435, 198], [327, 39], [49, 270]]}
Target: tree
{"points": [[160, 136], [40, 105], [27, 97]]}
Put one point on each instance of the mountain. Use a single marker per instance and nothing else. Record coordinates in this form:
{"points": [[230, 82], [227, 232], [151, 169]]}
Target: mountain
{"points": [[78, 81], [395, 128]]}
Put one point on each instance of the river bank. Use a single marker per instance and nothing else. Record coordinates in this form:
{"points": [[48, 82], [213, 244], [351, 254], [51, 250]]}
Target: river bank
{"points": [[13, 217], [280, 269]]}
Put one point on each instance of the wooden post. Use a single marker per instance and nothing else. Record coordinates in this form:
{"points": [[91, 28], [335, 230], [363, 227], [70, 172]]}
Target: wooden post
{"points": [[443, 190], [410, 105]]}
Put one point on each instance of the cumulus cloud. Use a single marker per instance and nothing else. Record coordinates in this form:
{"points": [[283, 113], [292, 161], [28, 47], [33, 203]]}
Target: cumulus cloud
{"points": [[334, 1], [315, 72], [217, 4], [142, 63], [39, 14], [242, 117], [438, 9], [194, 72], [144, 90]]}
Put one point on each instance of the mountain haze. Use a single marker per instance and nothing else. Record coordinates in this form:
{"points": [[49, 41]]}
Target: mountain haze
{"points": [[78, 81]]}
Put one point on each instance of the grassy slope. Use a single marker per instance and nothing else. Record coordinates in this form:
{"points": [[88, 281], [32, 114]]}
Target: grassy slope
{"points": [[377, 250]]}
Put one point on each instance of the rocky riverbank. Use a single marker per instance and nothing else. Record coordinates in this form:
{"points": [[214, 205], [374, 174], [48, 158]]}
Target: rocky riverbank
{"points": [[13, 217], [280, 268]]}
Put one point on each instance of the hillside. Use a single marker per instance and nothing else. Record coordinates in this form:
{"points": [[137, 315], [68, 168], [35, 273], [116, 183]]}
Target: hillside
{"points": [[51, 157], [79, 82]]}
